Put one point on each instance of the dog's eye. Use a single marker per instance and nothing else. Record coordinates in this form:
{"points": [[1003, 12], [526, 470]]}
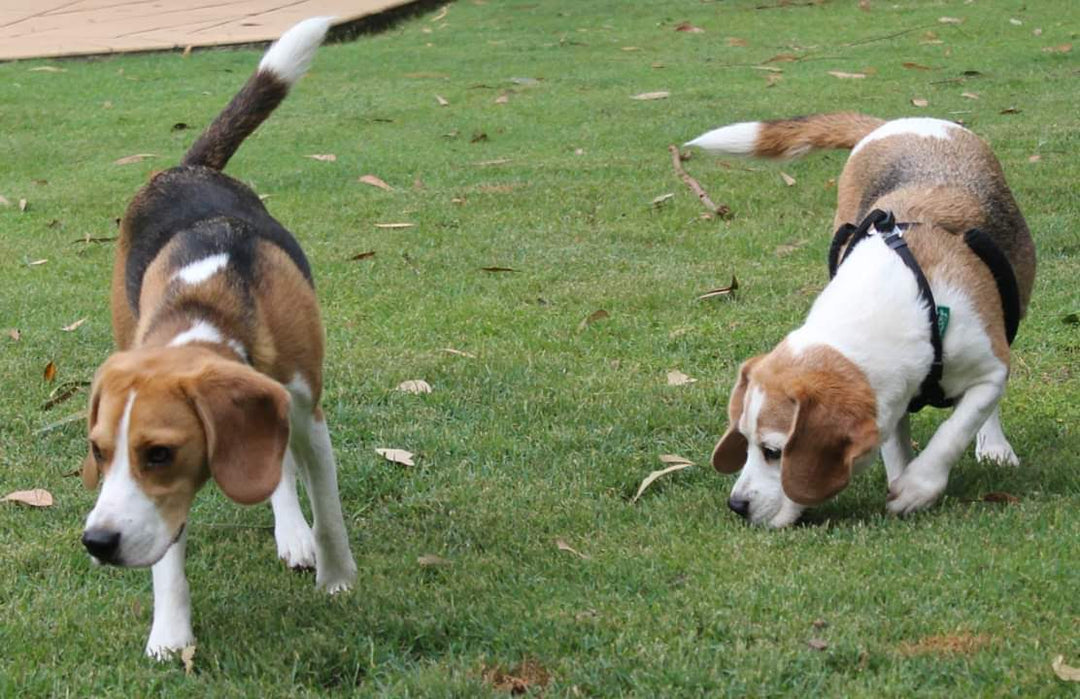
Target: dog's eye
{"points": [[771, 454], [96, 451], [158, 456]]}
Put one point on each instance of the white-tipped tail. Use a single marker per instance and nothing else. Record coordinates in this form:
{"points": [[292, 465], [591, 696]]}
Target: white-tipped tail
{"points": [[734, 139], [290, 56]]}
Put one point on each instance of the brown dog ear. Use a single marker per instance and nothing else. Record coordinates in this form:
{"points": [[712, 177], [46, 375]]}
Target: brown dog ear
{"points": [[730, 452], [245, 416], [90, 471], [832, 429]]}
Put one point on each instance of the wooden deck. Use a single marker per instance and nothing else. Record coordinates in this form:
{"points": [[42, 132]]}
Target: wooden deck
{"points": [[54, 28]]}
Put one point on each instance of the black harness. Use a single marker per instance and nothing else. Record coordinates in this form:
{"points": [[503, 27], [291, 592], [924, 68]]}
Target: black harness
{"points": [[930, 392]]}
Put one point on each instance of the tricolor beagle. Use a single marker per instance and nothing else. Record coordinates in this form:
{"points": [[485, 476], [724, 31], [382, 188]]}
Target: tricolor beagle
{"points": [[922, 309], [219, 368]]}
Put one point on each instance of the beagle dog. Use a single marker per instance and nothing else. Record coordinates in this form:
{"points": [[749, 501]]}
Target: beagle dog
{"points": [[937, 268], [218, 371]]}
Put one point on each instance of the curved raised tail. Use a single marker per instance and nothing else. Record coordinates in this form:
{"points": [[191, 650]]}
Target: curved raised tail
{"points": [[789, 138], [281, 67]]}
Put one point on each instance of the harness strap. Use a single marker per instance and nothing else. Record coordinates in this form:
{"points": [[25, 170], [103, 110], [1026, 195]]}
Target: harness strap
{"points": [[984, 247]]}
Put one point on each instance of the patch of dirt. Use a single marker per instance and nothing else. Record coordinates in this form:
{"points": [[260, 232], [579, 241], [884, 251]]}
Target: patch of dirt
{"points": [[947, 644], [519, 679]]}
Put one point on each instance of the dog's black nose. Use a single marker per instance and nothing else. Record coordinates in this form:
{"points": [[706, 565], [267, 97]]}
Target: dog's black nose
{"points": [[101, 543], [739, 506]]}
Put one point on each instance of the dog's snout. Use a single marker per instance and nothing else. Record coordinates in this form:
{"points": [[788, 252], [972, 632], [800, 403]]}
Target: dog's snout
{"points": [[101, 543], [740, 506]]}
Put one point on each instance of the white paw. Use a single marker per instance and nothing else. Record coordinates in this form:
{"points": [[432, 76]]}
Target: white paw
{"points": [[295, 545], [910, 493], [995, 452], [165, 644]]}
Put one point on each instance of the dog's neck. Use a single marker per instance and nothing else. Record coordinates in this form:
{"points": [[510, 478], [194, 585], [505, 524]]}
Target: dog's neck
{"points": [[872, 313]]}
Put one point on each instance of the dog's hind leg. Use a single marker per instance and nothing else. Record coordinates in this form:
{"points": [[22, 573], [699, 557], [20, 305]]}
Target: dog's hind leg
{"points": [[991, 444], [295, 542]]}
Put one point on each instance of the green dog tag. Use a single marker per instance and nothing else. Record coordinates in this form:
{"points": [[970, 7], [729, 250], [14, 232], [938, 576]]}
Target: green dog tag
{"points": [[942, 320]]}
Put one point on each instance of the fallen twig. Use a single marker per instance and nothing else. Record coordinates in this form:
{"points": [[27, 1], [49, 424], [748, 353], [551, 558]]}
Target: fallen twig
{"points": [[723, 211]]}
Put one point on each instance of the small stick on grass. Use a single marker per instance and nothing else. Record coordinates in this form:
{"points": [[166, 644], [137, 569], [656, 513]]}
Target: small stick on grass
{"points": [[723, 211]]}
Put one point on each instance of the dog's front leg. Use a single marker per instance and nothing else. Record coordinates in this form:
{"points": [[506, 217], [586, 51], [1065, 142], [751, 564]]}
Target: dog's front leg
{"points": [[896, 452], [925, 478], [171, 631]]}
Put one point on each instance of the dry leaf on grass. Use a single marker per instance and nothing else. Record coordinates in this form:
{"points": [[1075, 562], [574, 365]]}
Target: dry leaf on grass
{"points": [[1034, 158], [788, 179], [915, 66], [496, 161], [47, 69], [563, 546], [1000, 496], [1016, 22], [497, 269], [518, 680], [678, 463], [817, 644], [970, 95], [846, 76], [137, 158], [662, 199], [395, 225], [1061, 48], [363, 255], [677, 378], [1069, 674], [14, 334], [323, 157], [592, 318], [737, 41], [788, 248], [63, 393], [689, 28], [645, 96], [1010, 110], [23, 205], [950, 20], [187, 657], [414, 386], [375, 181], [441, 14], [74, 326], [50, 372], [443, 102], [772, 79], [961, 643], [430, 560], [397, 456], [503, 98], [920, 102], [37, 263], [459, 353], [37, 497], [722, 291], [782, 58]]}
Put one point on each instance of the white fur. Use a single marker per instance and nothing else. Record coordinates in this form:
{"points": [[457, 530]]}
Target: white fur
{"points": [[123, 507], [309, 443], [734, 139], [201, 331], [290, 56], [171, 629], [201, 270], [914, 126], [295, 542], [991, 444], [873, 315]]}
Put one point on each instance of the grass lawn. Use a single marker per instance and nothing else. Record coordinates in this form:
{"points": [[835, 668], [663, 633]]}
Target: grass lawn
{"points": [[545, 430]]}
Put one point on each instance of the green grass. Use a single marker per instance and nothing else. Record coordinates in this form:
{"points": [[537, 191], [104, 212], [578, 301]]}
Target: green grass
{"points": [[548, 431]]}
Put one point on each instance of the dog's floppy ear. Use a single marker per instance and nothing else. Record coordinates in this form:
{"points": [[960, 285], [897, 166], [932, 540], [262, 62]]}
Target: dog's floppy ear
{"points": [[90, 471], [730, 452], [833, 427], [245, 416]]}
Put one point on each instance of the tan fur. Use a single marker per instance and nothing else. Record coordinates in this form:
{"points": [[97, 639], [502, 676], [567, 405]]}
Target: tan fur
{"points": [[786, 138]]}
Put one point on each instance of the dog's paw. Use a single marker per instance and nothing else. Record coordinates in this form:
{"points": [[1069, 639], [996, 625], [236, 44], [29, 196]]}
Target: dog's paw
{"points": [[165, 644], [909, 494], [996, 452], [296, 545]]}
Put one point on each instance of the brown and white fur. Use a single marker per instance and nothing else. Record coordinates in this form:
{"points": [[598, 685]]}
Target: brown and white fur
{"points": [[219, 368], [820, 405]]}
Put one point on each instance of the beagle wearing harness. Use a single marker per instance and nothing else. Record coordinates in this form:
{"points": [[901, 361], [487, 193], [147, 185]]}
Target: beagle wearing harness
{"points": [[218, 372], [932, 268]]}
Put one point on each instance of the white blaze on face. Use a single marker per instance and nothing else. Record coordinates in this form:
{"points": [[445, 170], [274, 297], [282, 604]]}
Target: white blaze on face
{"points": [[123, 507], [201, 270], [759, 482]]}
